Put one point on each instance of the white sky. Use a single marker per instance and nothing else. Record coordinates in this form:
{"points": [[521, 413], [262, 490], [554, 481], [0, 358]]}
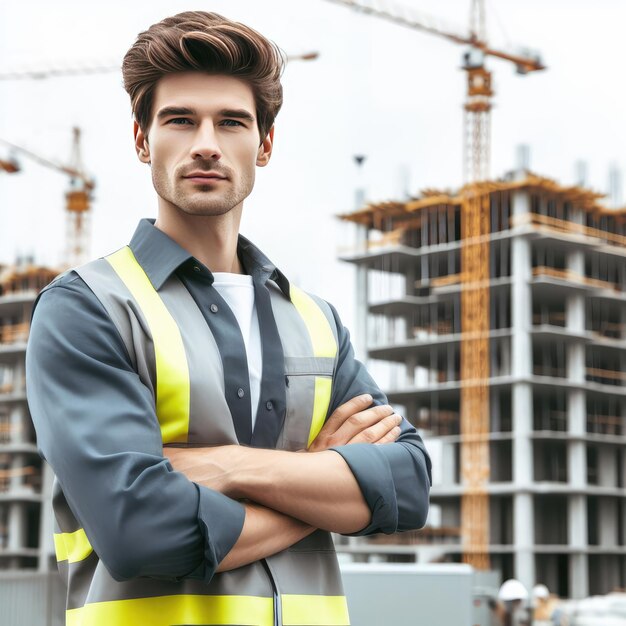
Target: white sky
{"points": [[378, 89]]}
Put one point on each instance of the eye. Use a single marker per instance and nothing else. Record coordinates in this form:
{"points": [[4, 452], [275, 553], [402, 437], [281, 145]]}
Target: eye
{"points": [[176, 121], [234, 121]]}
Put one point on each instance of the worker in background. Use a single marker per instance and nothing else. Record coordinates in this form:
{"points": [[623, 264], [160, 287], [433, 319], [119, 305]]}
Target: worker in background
{"points": [[514, 609], [544, 605], [175, 383]]}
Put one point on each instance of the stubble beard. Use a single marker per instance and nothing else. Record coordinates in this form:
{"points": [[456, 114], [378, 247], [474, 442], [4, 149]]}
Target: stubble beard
{"points": [[202, 200]]}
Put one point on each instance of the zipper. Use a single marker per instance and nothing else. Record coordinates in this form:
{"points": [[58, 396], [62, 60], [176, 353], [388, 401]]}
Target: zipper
{"points": [[278, 609]]}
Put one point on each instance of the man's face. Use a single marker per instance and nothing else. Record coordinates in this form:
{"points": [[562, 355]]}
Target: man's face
{"points": [[203, 125]]}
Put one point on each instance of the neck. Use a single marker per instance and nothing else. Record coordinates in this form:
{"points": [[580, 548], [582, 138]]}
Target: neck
{"points": [[210, 239]]}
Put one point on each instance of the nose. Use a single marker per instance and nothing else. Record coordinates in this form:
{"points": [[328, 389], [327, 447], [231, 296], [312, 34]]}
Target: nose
{"points": [[205, 145]]}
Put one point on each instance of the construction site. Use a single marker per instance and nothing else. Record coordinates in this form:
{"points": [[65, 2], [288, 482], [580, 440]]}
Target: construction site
{"points": [[506, 339], [493, 316]]}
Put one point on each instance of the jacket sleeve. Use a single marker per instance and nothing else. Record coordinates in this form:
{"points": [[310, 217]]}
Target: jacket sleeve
{"points": [[97, 428], [395, 478]]}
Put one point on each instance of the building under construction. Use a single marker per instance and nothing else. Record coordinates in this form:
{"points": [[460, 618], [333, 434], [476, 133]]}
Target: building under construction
{"points": [[26, 526], [500, 312]]}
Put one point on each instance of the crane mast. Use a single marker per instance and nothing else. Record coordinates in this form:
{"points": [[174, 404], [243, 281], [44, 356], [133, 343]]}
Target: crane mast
{"points": [[78, 215]]}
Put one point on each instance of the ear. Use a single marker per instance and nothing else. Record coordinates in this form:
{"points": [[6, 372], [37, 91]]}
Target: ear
{"points": [[141, 144], [265, 149]]}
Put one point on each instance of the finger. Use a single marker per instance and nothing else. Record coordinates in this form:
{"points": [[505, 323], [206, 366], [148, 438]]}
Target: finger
{"points": [[377, 431], [360, 421], [391, 436], [344, 411]]}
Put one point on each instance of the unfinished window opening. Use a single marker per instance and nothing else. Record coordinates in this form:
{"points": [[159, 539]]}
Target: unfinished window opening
{"points": [[501, 520], [555, 571], [500, 356], [5, 472], [550, 461], [535, 203], [593, 474], [500, 210], [551, 520], [500, 410], [499, 259], [4, 524], [604, 416], [604, 366], [439, 422], [593, 522], [5, 425], [550, 411], [549, 359], [604, 319], [501, 461]]}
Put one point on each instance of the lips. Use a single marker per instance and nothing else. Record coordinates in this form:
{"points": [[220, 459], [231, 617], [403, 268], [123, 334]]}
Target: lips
{"points": [[205, 176]]}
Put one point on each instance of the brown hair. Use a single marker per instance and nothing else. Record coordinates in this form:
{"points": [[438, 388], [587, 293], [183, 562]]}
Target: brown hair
{"points": [[205, 42]]}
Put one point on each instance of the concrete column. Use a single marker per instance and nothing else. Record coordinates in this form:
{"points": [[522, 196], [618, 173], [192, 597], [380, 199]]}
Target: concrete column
{"points": [[362, 298], [577, 428], [522, 399], [576, 262], [410, 364], [448, 464], [523, 539], [19, 376], [16, 526], [18, 424], [577, 531], [577, 449]]}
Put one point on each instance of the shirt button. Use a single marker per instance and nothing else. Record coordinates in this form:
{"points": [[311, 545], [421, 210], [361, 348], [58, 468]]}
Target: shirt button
{"points": [[268, 405], [213, 308], [240, 392], [196, 268]]}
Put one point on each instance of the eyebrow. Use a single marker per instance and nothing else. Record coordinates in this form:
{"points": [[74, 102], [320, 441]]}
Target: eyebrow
{"points": [[238, 113]]}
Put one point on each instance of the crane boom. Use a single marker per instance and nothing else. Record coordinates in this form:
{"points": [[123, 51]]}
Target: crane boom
{"points": [[74, 173], [405, 16]]}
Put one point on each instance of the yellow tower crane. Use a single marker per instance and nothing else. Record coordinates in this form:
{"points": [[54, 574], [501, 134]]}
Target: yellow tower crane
{"points": [[78, 197], [475, 235]]}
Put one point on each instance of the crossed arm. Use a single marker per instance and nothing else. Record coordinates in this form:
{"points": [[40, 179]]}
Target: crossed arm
{"points": [[289, 495], [96, 426]]}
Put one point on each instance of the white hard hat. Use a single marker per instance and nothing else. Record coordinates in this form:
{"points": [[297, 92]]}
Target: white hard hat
{"points": [[541, 591], [512, 590]]}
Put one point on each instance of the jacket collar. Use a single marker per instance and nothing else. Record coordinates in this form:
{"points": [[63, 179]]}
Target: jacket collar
{"points": [[159, 255]]}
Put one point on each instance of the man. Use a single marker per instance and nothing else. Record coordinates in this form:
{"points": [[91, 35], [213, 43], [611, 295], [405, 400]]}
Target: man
{"points": [[191, 339]]}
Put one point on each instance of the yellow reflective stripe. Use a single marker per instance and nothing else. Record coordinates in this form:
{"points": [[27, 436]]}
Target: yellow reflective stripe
{"points": [[321, 400], [72, 547], [172, 369], [179, 609], [321, 334], [324, 345], [301, 610]]}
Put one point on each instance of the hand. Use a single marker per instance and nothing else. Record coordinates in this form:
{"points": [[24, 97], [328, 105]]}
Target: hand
{"points": [[353, 422], [212, 467]]}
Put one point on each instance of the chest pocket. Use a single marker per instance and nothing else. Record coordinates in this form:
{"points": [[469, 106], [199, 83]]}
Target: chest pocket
{"points": [[309, 367], [308, 383]]}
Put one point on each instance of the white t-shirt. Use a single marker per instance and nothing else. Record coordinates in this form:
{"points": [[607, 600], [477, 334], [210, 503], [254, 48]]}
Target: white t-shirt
{"points": [[238, 291]]}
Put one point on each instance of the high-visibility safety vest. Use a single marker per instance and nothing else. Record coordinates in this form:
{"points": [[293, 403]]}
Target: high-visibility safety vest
{"points": [[175, 354]]}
